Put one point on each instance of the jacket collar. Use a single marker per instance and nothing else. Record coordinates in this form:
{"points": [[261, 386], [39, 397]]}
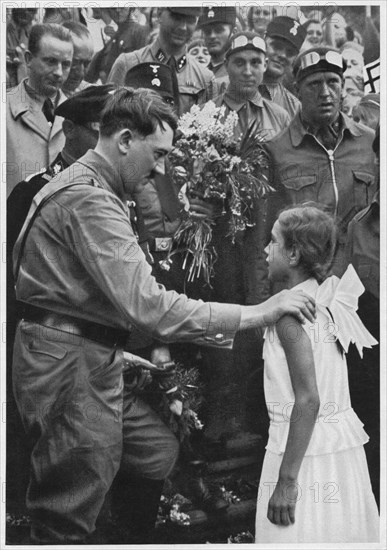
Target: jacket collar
{"points": [[298, 131], [161, 56], [235, 105], [107, 176], [21, 104]]}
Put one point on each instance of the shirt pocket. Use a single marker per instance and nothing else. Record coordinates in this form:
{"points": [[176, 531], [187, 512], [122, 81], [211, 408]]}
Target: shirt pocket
{"points": [[362, 181], [190, 94], [301, 188]]}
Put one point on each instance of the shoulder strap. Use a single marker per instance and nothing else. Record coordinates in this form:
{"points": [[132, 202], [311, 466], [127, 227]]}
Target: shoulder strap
{"points": [[54, 187]]}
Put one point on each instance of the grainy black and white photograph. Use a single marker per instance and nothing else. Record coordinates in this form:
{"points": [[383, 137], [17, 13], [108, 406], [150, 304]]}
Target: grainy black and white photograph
{"points": [[193, 263]]}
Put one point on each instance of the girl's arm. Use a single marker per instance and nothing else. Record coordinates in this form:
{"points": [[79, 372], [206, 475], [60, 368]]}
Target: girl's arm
{"points": [[298, 351]]}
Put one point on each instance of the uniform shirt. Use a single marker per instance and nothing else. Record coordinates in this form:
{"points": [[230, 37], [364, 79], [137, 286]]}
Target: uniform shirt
{"points": [[342, 179], [221, 75], [364, 245], [81, 258], [271, 118], [196, 83], [281, 96]]}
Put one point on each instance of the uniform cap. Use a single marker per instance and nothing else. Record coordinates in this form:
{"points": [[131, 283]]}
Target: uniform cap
{"points": [[154, 76], [222, 14], [288, 29], [85, 106], [246, 40], [317, 60], [189, 11]]}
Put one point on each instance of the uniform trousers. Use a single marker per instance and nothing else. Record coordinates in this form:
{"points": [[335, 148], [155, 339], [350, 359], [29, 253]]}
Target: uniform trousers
{"points": [[84, 428]]}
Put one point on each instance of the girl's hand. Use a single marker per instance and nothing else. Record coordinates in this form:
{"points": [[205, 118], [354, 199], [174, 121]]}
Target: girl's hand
{"points": [[282, 504]]}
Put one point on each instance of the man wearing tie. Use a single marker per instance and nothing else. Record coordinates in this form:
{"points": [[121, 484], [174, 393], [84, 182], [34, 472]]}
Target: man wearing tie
{"points": [[34, 134]]}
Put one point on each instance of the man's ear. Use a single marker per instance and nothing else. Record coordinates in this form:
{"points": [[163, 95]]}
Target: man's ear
{"points": [[28, 57], [68, 127], [124, 140]]}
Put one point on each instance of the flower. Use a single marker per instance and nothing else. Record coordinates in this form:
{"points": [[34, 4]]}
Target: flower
{"points": [[213, 164]]}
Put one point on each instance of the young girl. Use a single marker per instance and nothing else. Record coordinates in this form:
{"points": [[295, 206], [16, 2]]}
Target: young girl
{"points": [[315, 485]]}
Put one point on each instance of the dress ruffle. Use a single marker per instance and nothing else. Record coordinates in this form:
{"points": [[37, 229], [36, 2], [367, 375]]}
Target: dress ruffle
{"points": [[341, 297], [332, 433]]}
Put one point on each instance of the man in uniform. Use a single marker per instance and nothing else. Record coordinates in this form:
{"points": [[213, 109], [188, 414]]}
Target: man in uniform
{"points": [[218, 24], [284, 38], [84, 283], [34, 134], [80, 127], [323, 156], [196, 84]]}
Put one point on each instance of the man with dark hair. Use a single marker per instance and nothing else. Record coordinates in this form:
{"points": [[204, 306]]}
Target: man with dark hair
{"points": [[83, 53], [34, 134], [217, 25], [196, 84], [80, 127], [284, 38], [323, 155], [84, 284]]}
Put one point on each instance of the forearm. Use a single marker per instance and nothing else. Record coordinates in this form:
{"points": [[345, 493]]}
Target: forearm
{"points": [[302, 422]]}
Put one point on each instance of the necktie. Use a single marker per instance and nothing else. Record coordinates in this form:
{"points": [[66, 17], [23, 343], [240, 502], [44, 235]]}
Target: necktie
{"points": [[48, 110], [175, 86]]}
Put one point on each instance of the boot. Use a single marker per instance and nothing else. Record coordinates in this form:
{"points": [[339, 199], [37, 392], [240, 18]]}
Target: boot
{"points": [[199, 492], [135, 503]]}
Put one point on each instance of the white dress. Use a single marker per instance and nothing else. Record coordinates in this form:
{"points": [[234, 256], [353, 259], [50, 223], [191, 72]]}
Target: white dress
{"points": [[335, 500]]}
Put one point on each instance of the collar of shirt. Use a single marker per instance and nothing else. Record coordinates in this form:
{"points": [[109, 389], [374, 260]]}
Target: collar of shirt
{"points": [[235, 105], [298, 130], [215, 68], [39, 98], [106, 175], [162, 57]]}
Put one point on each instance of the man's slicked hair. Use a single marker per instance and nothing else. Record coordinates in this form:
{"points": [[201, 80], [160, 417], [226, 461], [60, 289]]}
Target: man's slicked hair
{"points": [[46, 29], [140, 110]]}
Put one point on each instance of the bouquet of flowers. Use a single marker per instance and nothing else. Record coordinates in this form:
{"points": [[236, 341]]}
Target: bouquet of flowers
{"points": [[211, 162]]}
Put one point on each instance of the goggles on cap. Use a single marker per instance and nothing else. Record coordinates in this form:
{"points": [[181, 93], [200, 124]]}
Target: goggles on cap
{"points": [[242, 41], [312, 58]]}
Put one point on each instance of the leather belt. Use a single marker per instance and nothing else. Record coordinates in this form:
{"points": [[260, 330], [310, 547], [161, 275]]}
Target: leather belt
{"points": [[108, 336]]}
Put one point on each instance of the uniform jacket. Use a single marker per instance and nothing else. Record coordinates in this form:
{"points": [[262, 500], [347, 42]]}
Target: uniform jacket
{"points": [[196, 83], [32, 144], [342, 179], [241, 268], [281, 96], [81, 258]]}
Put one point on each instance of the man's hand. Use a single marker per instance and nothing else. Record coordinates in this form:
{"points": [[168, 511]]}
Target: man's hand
{"points": [[292, 302], [200, 209], [140, 369], [160, 355]]}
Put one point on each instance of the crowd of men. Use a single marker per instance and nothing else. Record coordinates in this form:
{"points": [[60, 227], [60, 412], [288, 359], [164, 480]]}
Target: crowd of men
{"points": [[88, 135]]}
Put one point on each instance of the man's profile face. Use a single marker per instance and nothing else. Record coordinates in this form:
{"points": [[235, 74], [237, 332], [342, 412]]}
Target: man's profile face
{"points": [[280, 56], [216, 37], [83, 53], [245, 70], [176, 29], [320, 96], [146, 157], [50, 67]]}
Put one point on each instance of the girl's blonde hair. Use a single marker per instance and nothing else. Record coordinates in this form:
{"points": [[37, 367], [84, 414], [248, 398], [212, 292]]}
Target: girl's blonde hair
{"points": [[312, 230]]}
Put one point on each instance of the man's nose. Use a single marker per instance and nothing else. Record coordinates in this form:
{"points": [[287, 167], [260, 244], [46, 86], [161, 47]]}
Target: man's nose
{"points": [[58, 69], [248, 68], [160, 167], [324, 89]]}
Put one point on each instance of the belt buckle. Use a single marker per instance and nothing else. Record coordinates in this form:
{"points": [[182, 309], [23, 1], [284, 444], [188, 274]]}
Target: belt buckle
{"points": [[163, 244]]}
